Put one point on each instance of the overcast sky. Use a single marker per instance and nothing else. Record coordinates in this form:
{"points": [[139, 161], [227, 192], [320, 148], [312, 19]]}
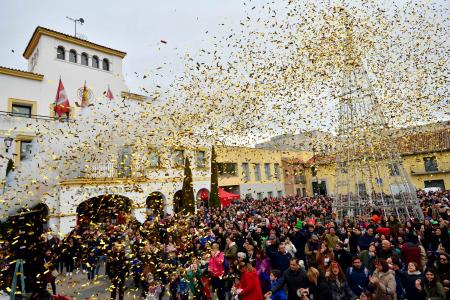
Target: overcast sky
{"points": [[136, 27]]}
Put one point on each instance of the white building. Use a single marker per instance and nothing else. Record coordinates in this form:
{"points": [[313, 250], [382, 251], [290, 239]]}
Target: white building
{"points": [[94, 155]]}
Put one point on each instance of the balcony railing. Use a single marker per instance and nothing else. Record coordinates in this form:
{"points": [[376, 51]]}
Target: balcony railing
{"points": [[111, 170], [35, 117], [419, 169]]}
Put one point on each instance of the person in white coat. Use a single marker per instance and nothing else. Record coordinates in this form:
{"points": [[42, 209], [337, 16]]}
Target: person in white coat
{"points": [[290, 248]]}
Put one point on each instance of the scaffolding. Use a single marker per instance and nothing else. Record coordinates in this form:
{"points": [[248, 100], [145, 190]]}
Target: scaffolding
{"points": [[370, 175]]}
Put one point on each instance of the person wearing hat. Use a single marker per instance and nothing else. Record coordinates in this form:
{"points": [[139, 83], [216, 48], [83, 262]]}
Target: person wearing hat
{"points": [[299, 239]]}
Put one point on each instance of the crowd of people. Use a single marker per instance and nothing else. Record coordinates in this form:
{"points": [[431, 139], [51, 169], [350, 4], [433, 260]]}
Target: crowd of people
{"points": [[279, 248]]}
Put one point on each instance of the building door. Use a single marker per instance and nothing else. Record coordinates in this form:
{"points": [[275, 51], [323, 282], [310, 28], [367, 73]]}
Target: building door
{"points": [[435, 183], [319, 188]]}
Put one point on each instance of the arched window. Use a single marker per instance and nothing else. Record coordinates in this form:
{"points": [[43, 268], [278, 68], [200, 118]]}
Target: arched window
{"points": [[95, 62], [105, 64], [61, 53], [84, 59], [73, 56]]}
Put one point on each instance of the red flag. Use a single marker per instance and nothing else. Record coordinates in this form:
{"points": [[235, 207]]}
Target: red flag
{"points": [[62, 105], [109, 94]]}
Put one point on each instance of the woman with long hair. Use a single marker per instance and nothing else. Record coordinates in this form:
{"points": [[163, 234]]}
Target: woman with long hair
{"points": [[317, 286], [382, 282], [442, 267], [430, 287], [324, 257], [339, 287]]}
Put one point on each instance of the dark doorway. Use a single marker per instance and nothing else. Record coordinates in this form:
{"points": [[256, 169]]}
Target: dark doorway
{"points": [[104, 209], [435, 183], [178, 202], [319, 188], [155, 205]]}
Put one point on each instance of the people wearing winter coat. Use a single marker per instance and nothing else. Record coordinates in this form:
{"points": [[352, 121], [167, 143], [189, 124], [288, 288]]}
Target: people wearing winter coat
{"points": [[368, 257], [293, 278], [216, 270], [442, 267], [290, 248], [366, 239], [331, 239], [411, 251], [337, 282], [311, 250], [318, 288], [194, 275], [342, 256], [408, 280], [382, 282], [153, 288], [357, 276], [274, 281], [430, 288], [250, 289], [231, 250], [279, 259], [50, 267], [263, 268], [117, 270], [324, 257]]}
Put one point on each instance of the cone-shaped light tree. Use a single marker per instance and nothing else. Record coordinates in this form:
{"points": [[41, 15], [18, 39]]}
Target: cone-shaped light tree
{"points": [[214, 194], [188, 189]]}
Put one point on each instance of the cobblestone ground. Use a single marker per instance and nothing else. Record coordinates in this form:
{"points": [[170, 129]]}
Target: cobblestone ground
{"points": [[78, 288]]}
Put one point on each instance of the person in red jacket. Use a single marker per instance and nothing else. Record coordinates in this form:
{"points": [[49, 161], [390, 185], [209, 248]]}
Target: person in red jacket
{"points": [[411, 250], [250, 288]]}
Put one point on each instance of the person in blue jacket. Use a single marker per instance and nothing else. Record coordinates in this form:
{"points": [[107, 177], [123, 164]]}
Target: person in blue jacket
{"points": [[357, 276], [366, 239], [274, 281]]}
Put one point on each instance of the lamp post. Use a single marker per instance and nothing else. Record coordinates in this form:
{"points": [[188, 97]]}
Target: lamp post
{"points": [[8, 142]]}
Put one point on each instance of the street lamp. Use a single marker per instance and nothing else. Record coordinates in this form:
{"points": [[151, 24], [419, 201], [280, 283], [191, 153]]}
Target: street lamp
{"points": [[8, 141]]}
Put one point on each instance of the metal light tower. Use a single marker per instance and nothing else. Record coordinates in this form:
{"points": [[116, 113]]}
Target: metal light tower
{"points": [[369, 172]]}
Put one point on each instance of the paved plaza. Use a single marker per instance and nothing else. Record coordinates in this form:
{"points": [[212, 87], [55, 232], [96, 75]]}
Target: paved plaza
{"points": [[77, 287]]}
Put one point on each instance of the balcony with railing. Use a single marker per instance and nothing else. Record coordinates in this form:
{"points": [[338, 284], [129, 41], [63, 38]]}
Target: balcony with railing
{"points": [[111, 170], [439, 168], [299, 179]]}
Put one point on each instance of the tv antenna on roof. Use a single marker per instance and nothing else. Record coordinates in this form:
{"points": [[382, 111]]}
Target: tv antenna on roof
{"points": [[75, 21]]}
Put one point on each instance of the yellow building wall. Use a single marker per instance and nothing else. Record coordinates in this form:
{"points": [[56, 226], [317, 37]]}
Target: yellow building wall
{"points": [[239, 155], [325, 172], [412, 163], [414, 166]]}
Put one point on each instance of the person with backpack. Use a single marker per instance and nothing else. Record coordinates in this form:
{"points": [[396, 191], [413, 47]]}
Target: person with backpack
{"points": [[357, 276]]}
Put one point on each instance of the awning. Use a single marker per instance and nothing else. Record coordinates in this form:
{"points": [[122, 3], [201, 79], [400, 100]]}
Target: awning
{"points": [[226, 198]]}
